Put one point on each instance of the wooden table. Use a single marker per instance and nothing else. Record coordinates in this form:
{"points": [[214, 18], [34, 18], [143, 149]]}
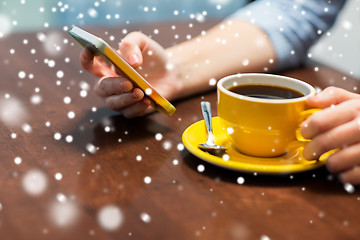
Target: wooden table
{"points": [[73, 169]]}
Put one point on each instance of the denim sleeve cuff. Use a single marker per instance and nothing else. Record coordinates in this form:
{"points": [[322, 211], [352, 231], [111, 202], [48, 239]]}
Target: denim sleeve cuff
{"points": [[291, 28]]}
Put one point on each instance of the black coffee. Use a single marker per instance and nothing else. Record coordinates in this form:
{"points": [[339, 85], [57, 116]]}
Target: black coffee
{"points": [[266, 91]]}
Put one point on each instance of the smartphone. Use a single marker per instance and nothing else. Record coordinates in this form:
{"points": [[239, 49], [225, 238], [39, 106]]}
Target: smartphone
{"points": [[99, 47]]}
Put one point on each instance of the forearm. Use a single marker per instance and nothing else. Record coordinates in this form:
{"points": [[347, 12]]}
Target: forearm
{"points": [[230, 47]]}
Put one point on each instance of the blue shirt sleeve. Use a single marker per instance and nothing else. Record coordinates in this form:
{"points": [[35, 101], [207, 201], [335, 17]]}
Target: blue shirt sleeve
{"points": [[292, 26]]}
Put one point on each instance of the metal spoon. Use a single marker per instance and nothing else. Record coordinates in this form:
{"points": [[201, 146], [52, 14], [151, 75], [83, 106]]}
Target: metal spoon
{"points": [[210, 146]]}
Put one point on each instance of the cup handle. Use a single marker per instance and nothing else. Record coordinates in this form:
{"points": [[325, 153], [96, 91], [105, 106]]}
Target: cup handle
{"points": [[303, 116]]}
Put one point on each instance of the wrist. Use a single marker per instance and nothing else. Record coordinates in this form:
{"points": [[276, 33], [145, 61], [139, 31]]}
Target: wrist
{"points": [[188, 72], [177, 74]]}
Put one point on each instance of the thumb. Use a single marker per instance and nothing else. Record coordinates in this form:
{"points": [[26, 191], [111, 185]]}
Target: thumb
{"points": [[131, 48]]}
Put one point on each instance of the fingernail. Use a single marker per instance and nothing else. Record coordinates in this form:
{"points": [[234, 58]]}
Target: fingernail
{"points": [[308, 130], [98, 90], [146, 102], [304, 129], [342, 177], [309, 154], [329, 165], [133, 59], [86, 56], [135, 95]]}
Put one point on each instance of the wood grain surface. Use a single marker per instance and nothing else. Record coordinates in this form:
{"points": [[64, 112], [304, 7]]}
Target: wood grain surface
{"points": [[73, 169]]}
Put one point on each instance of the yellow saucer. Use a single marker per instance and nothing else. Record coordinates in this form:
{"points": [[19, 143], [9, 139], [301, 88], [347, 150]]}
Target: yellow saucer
{"points": [[291, 162]]}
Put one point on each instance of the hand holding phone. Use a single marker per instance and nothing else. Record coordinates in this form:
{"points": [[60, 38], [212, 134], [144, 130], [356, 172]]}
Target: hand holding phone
{"points": [[100, 48]]}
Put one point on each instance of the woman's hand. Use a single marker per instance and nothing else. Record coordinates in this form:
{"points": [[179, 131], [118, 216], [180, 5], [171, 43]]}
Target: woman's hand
{"points": [[151, 61], [336, 126]]}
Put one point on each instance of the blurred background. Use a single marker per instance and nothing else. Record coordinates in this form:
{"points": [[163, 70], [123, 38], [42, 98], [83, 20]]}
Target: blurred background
{"points": [[339, 48], [27, 15]]}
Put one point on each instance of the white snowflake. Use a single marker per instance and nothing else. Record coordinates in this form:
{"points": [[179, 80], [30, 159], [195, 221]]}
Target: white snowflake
{"points": [[349, 188], [158, 136], [212, 82], [240, 180], [36, 99], [71, 115], [34, 182], [91, 148], [92, 12], [12, 111], [63, 213], [67, 100], [110, 217], [167, 145], [57, 136], [60, 74], [61, 197], [21, 74], [58, 176], [180, 147], [17, 160], [147, 180], [201, 168], [5, 26], [145, 217], [26, 128], [69, 138]]}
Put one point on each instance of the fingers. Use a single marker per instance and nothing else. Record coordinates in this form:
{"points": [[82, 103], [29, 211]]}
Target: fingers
{"points": [[86, 59], [345, 159], [117, 90], [335, 127], [129, 104], [329, 118], [113, 85], [120, 96], [351, 176], [331, 128], [131, 49], [138, 109], [338, 137], [346, 163], [122, 101], [95, 65], [330, 96]]}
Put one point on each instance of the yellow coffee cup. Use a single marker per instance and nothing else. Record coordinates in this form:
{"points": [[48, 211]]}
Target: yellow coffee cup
{"points": [[260, 113]]}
